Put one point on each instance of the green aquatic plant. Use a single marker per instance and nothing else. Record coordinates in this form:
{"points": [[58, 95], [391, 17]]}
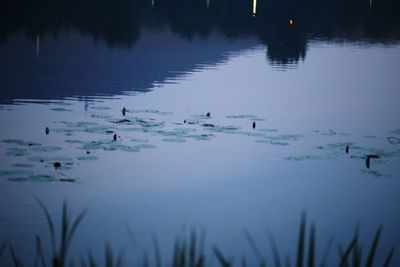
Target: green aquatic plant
{"points": [[68, 229], [189, 252]]}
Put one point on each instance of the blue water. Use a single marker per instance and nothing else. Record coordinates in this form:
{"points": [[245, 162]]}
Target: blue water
{"points": [[172, 168]]}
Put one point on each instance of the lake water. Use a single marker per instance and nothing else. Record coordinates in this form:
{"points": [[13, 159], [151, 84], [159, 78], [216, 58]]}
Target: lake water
{"points": [[314, 85]]}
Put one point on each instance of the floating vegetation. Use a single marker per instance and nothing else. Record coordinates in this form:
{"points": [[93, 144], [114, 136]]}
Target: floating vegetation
{"points": [[397, 131], [330, 132], [284, 137], [242, 116], [174, 140], [144, 146], [200, 137], [245, 117], [301, 158], [44, 178], [138, 132], [17, 151], [67, 180], [279, 143], [138, 140], [369, 136], [61, 109], [266, 130], [255, 134], [20, 142], [22, 165], [151, 111], [45, 148], [374, 173], [100, 108], [87, 158], [393, 140], [223, 129], [15, 173]]}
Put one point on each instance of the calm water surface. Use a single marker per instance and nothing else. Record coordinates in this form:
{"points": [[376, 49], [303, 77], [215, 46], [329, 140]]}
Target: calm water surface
{"points": [[311, 86]]}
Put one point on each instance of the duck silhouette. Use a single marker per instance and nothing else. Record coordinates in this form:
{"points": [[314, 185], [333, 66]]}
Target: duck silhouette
{"points": [[347, 149], [115, 137], [47, 130], [123, 111], [208, 114], [254, 124]]}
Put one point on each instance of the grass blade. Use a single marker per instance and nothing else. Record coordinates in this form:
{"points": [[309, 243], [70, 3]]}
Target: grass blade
{"points": [[344, 255], [192, 249], [157, 254], [326, 252], [15, 258], [275, 251], [311, 247], [300, 242], [108, 256], [253, 245], [372, 252], [50, 223], [389, 258], [3, 247], [221, 258], [75, 225], [39, 253]]}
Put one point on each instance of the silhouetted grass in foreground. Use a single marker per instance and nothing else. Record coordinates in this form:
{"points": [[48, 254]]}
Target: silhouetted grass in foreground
{"points": [[189, 252]]}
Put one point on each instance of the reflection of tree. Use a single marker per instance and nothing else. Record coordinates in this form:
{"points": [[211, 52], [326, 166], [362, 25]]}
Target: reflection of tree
{"points": [[118, 22]]}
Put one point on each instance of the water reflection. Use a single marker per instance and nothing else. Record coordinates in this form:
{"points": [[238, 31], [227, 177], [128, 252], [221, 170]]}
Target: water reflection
{"points": [[284, 27]]}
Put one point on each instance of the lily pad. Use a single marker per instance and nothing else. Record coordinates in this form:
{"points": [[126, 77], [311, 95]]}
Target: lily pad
{"points": [[20, 142], [61, 109], [174, 140], [17, 151], [22, 165], [45, 148], [87, 158]]}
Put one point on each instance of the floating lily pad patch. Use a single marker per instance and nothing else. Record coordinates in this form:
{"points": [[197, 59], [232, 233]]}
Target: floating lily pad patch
{"points": [[224, 129], [87, 158], [301, 158], [279, 143], [396, 131], [17, 151], [61, 109], [393, 140], [45, 148], [138, 140], [375, 173], [100, 108], [151, 111], [20, 142], [369, 136], [246, 117], [15, 173], [144, 146], [22, 165], [174, 140], [266, 130], [285, 137]]}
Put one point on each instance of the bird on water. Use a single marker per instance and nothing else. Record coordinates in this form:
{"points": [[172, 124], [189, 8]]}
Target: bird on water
{"points": [[254, 124], [115, 137], [208, 114], [347, 149], [123, 111], [47, 130]]}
